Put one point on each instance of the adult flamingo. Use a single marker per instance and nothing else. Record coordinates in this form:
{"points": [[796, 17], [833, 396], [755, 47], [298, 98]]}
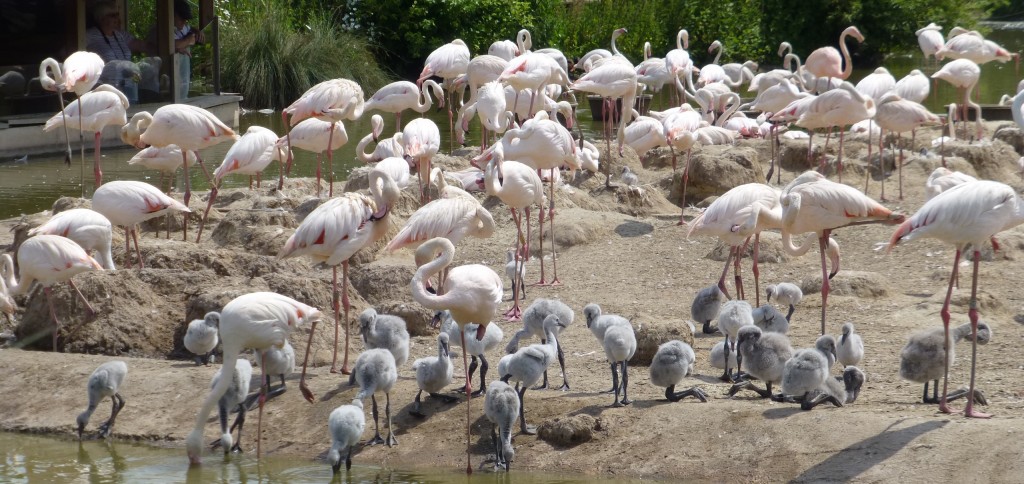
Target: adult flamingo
{"points": [[451, 218], [827, 61], [386, 148], [491, 103], [318, 136], [972, 46], [421, 140], [88, 228], [914, 86], [838, 108], [812, 203], [644, 134], [899, 115], [519, 187], [930, 39], [245, 156], [447, 62], [677, 61], [333, 100], [968, 214], [963, 74], [727, 218], [652, 72], [250, 155], [471, 292], [190, 128], [770, 101], [611, 81], [336, 230], [49, 259], [258, 320], [128, 203], [81, 71], [94, 110], [481, 70], [165, 159], [533, 71], [681, 135], [401, 95]]}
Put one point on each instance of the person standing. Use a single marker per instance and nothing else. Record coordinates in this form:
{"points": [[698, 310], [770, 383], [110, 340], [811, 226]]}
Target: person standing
{"points": [[115, 47], [185, 36]]}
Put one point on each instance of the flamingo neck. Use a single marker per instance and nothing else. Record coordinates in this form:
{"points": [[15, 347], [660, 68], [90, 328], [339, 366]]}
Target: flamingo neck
{"points": [[719, 55], [13, 287], [848, 67], [424, 101], [361, 153], [431, 269], [797, 250]]}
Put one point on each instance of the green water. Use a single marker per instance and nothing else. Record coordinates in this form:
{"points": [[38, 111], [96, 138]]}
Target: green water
{"points": [[32, 458], [32, 186]]}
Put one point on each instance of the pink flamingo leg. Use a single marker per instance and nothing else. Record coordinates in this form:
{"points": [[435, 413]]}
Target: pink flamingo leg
{"points": [[526, 242], [188, 195], [469, 397], [514, 314], [306, 393], [540, 239], [945, 325], [345, 304], [551, 220], [330, 162], [259, 419], [840, 161], [972, 313], [318, 175], [127, 249], [740, 294], [725, 272], [213, 196], [822, 243], [97, 171], [757, 272], [88, 307], [686, 180], [135, 237], [288, 136]]}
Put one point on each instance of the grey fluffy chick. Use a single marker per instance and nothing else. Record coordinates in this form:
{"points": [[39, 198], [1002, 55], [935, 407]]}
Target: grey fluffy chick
{"points": [[387, 332], [104, 382], [673, 362], [923, 359], [501, 407], [763, 356], [533, 325], [770, 320], [705, 307]]}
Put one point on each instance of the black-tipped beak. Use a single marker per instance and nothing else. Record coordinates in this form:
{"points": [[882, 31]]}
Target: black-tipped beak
{"points": [[708, 329], [81, 428], [444, 347], [336, 468], [436, 320], [832, 274]]}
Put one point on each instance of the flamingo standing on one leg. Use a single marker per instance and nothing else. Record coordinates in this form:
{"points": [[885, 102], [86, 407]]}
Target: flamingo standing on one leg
{"points": [[968, 214], [812, 203], [94, 110], [128, 203], [899, 115], [472, 293], [49, 259], [191, 129], [165, 159], [447, 62], [81, 71], [247, 151], [336, 230], [827, 62], [519, 186], [333, 101], [258, 320], [963, 74], [401, 95]]}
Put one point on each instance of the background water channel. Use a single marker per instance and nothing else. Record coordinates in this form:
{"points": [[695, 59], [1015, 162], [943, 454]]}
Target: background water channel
{"points": [[32, 458], [32, 185]]}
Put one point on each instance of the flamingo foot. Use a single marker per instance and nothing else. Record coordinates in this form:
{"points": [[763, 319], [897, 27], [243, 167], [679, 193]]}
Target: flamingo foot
{"points": [[970, 412], [555, 282], [306, 392], [514, 314], [945, 408]]}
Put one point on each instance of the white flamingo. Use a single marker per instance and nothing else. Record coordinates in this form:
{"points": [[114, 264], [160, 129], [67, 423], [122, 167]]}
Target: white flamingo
{"points": [[318, 136], [93, 111], [88, 228], [401, 95], [333, 100], [421, 140], [128, 203], [80, 72]]}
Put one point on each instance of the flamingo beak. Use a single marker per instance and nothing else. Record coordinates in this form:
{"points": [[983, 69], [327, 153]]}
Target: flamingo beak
{"points": [[480, 331]]}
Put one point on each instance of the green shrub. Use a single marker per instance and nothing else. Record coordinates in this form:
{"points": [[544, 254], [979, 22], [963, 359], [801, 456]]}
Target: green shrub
{"points": [[271, 63]]}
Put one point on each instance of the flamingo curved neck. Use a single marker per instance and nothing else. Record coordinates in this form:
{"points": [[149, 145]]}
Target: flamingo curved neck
{"points": [[13, 287], [385, 192], [682, 39], [424, 101], [797, 250], [429, 270], [719, 48], [615, 35], [733, 101], [848, 67], [361, 153], [1018, 102], [51, 83]]}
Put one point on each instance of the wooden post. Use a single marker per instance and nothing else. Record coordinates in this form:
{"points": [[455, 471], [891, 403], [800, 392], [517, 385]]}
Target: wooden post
{"points": [[165, 43]]}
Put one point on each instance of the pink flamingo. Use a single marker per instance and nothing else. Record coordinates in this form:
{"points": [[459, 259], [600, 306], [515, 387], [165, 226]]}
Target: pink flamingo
{"points": [[49, 259], [644, 134], [258, 320], [421, 140], [519, 187], [447, 62], [452, 218], [963, 74], [899, 115], [812, 203], [972, 46], [386, 148], [943, 179], [472, 293], [88, 228], [401, 95], [680, 129], [678, 62], [191, 129], [127, 203], [930, 39], [250, 155], [81, 71], [827, 61], [481, 70], [611, 81], [336, 230], [94, 110], [533, 71], [736, 216], [968, 214], [333, 100], [165, 159], [838, 108], [316, 135]]}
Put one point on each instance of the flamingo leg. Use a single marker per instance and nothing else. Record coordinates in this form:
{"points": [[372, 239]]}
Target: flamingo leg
{"points": [[67, 140], [345, 304], [881, 160], [288, 136], [840, 161], [469, 398], [526, 242], [686, 180], [540, 239], [945, 325], [135, 237], [97, 171], [822, 243], [259, 419], [330, 161], [736, 270], [127, 249], [725, 271], [757, 272], [306, 393], [213, 196], [867, 173], [53, 314], [514, 314], [551, 220], [188, 195], [899, 141], [88, 307], [318, 175], [972, 313], [81, 140]]}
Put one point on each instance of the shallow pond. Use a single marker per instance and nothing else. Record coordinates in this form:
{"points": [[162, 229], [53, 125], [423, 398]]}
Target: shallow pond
{"points": [[33, 458]]}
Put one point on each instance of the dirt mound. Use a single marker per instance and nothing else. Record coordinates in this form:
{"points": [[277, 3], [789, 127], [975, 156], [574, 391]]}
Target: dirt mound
{"points": [[713, 171], [851, 283], [568, 431], [585, 228], [992, 160], [1011, 135], [770, 251], [652, 332]]}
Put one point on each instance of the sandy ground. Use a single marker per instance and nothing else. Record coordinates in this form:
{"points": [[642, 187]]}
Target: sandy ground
{"points": [[643, 266]]}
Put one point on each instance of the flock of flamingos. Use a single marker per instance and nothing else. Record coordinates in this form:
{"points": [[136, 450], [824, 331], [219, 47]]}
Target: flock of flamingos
{"points": [[515, 92]]}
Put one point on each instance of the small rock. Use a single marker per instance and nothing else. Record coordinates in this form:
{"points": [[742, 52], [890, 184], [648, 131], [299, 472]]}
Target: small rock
{"points": [[568, 431]]}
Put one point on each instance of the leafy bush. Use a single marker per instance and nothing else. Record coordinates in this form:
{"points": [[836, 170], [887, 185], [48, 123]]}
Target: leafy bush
{"points": [[271, 63]]}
